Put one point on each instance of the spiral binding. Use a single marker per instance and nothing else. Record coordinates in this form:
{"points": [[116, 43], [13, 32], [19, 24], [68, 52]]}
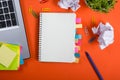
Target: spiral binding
{"points": [[40, 35]]}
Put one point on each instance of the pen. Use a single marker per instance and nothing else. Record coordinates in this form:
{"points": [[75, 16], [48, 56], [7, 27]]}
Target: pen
{"points": [[93, 65]]}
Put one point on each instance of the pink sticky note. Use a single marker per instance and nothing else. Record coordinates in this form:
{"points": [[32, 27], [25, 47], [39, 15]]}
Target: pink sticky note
{"points": [[79, 43], [76, 50], [78, 20]]}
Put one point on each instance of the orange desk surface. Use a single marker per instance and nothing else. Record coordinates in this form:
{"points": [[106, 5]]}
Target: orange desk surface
{"points": [[107, 60]]}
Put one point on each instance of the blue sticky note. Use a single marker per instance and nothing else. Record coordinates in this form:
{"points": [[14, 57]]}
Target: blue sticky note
{"points": [[21, 60], [77, 55], [77, 36]]}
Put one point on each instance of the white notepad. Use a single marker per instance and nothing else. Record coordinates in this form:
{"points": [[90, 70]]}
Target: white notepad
{"points": [[57, 37]]}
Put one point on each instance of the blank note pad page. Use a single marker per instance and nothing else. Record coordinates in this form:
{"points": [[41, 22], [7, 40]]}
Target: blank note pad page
{"points": [[57, 37]]}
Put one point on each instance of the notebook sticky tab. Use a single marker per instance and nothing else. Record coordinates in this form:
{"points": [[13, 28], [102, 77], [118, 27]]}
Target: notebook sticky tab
{"points": [[78, 25]]}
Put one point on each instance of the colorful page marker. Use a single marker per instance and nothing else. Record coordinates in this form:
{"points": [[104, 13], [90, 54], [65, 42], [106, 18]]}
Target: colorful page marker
{"points": [[78, 36], [76, 60], [77, 55], [76, 50], [78, 25], [79, 43], [78, 20], [76, 40], [78, 47]]}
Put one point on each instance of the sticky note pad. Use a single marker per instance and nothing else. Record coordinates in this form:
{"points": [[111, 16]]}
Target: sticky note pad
{"points": [[78, 25], [6, 56], [16, 61]]}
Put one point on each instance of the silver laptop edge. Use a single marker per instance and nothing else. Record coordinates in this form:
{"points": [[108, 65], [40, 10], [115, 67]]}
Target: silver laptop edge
{"points": [[17, 35]]}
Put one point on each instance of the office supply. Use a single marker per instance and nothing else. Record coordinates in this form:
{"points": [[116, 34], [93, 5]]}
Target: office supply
{"points": [[16, 61], [77, 55], [78, 43], [78, 36], [21, 58], [86, 31], [57, 37], [106, 34], [76, 60], [11, 25], [78, 20], [33, 13], [78, 47], [76, 50], [93, 21], [78, 25], [45, 9], [94, 66], [6, 56], [43, 1], [92, 39]]}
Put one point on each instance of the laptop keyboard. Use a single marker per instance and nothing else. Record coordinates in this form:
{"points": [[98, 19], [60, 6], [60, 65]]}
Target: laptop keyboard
{"points": [[7, 14]]}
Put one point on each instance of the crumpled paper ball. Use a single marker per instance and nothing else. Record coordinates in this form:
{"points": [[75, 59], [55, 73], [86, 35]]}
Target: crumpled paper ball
{"points": [[106, 34], [73, 4]]}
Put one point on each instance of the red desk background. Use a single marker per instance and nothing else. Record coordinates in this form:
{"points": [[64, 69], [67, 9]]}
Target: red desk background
{"points": [[106, 60]]}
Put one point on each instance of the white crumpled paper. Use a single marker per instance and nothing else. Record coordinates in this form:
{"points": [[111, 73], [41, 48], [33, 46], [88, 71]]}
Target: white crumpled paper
{"points": [[106, 34], [73, 4]]}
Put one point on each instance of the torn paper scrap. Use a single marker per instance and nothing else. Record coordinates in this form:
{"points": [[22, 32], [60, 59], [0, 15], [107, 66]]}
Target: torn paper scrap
{"points": [[73, 4], [106, 34]]}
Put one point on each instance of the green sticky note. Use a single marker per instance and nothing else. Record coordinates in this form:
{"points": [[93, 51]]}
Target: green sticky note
{"points": [[16, 61]]}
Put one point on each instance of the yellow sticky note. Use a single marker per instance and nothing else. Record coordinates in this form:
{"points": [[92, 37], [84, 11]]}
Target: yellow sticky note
{"points": [[78, 47], [6, 55], [76, 40], [76, 60], [78, 25]]}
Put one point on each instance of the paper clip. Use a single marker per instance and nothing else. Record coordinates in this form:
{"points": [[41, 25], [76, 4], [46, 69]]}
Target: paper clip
{"points": [[33, 13], [43, 1], [86, 31], [45, 9], [93, 20], [91, 39]]}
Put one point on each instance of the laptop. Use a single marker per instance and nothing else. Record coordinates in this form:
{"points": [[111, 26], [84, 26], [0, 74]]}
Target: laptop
{"points": [[12, 28]]}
